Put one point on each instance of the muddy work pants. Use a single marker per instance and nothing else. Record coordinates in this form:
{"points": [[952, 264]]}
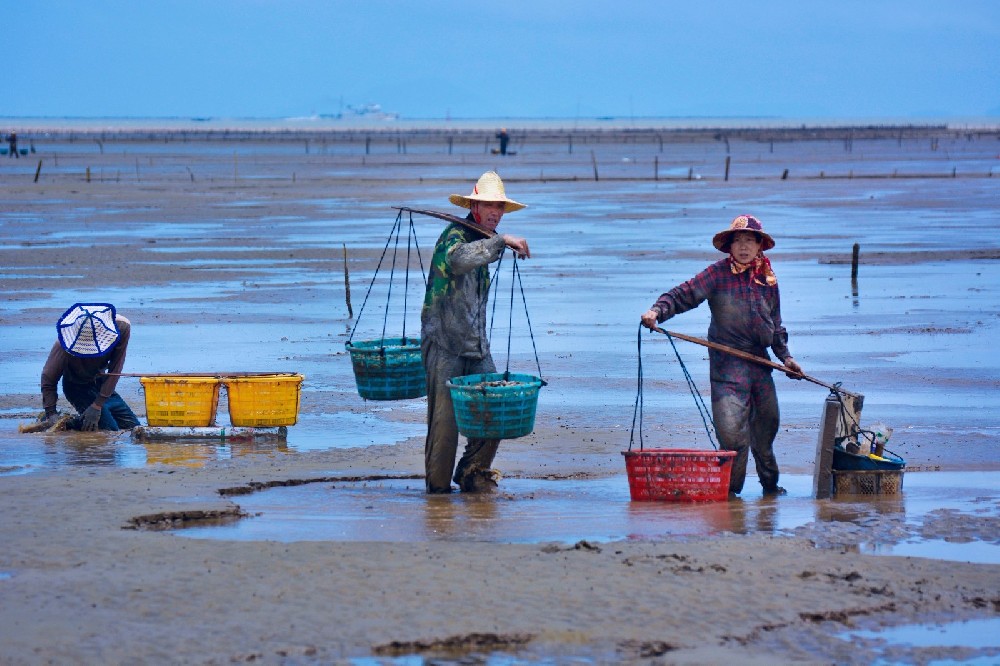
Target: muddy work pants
{"points": [[745, 411], [441, 446]]}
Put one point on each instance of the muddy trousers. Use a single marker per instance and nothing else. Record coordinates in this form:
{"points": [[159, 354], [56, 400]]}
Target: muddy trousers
{"points": [[441, 446], [745, 412]]}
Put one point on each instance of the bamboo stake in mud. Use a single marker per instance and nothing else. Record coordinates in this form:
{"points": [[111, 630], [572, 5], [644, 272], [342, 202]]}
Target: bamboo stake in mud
{"points": [[38, 170], [347, 285], [727, 167], [854, 261], [656, 167], [593, 160], [88, 174], [784, 175]]}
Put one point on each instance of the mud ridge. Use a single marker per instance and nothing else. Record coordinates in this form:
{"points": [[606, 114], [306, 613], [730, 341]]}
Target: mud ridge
{"points": [[455, 645], [170, 520], [255, 486]]}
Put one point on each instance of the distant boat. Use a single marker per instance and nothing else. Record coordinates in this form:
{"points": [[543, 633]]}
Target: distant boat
{"points": [[367, 111]]}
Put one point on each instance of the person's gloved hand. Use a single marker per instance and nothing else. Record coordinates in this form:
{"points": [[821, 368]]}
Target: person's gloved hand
{"points": [[49, 418], [91, 416]]}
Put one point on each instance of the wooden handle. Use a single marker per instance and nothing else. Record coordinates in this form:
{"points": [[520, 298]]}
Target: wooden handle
{"points": [[747, 357]]}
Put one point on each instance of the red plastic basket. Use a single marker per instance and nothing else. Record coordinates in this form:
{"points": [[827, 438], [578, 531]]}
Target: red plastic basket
{"points": [[678, 475]]}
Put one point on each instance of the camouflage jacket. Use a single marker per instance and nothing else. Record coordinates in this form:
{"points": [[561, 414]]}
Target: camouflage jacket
{"points": [[454, 311]]}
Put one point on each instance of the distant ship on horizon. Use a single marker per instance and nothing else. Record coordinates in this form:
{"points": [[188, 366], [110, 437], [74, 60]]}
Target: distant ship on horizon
{"points": [[370, 111]]}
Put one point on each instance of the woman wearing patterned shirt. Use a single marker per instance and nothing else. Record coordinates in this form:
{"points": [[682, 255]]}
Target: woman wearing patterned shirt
{"points": [[742, 292]]}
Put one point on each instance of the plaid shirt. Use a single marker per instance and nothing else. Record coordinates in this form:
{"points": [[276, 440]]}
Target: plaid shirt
{"points": [[745, 315]]}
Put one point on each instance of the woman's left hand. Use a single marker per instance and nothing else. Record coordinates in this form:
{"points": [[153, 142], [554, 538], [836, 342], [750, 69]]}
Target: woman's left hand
{"points": [[793, 369]]}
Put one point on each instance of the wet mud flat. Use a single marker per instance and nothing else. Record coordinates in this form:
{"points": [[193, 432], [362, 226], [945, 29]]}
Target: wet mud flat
{"points": [[229, 256], [320, 601]]}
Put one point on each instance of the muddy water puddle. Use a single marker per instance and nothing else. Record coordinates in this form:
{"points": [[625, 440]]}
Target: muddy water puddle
{"points": [[916, 522]]}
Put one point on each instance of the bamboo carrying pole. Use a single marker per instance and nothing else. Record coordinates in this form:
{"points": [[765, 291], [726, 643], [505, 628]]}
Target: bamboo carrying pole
{"points": [[450, 218], [749, 357]]}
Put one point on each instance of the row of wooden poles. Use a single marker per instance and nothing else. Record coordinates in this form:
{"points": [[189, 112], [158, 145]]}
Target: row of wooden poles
{"points": [[656, 173]]}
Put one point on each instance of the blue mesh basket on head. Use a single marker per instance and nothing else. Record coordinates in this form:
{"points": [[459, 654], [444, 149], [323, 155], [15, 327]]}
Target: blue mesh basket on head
{"points": [[88, 329]]}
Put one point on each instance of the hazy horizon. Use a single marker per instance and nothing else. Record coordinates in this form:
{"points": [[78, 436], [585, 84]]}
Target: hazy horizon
{"points": [[521, 59]]}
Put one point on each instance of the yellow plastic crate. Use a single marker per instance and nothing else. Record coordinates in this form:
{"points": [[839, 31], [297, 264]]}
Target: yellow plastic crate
{"points": [[181, 401], [264, 400]]}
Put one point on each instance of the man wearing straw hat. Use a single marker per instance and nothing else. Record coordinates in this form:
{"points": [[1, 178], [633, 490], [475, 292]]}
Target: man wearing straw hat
{"points": [[742, 292], [453, 331], [88, 354]]}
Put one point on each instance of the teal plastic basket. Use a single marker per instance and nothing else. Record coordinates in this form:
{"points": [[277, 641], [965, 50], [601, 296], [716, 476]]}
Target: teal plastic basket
{"points": [[844, 461], [495, 405], [388, 368]]}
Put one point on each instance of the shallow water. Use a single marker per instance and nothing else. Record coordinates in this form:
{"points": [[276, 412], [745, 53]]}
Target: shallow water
{"points": [[314, 431], [600, 510], [981, 637]]}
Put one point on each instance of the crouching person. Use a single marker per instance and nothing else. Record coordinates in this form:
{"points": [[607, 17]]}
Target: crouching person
{"points": [[89, 352]]}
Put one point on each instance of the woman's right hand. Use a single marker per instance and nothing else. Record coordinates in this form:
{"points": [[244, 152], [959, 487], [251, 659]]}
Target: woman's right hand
{"points": [[649, 318]]}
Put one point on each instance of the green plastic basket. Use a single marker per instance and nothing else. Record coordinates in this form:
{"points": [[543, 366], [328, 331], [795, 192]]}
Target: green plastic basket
{"points": [[388, 368], [495, 405]]}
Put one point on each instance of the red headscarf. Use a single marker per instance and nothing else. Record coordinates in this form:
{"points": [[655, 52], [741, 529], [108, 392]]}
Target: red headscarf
{"points": [[760, 270]]}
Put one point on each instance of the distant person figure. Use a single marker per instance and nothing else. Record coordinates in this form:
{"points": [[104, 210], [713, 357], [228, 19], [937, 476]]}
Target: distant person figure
{"points": [[453, 331], [742, 292], [92, 342], [12, 141], [504, 139]]}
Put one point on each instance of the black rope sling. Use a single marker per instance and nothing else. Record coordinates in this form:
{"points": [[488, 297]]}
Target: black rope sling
{"points": [[411, 245], [703, 410], [515, 280]]}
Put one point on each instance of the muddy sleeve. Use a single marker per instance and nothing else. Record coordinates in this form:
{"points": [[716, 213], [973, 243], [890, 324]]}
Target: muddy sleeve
{"points": [[465, 257], [685, 296], [51, 374], [116, 361], [779, 342]]}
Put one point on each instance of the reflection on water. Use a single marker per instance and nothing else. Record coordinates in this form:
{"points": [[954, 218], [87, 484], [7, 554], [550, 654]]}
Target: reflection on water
{"points": [[524, 511], [23, 453], [103, 449], [68, 449], [600, 510]]}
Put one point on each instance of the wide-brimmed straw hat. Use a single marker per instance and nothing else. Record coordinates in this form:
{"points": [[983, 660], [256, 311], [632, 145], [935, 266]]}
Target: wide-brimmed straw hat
{"points": [[742, 223], [88, 329], [489, 187]]}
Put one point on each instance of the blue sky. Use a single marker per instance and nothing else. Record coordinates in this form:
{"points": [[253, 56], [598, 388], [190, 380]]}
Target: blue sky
{"points": [[517, 59]]}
